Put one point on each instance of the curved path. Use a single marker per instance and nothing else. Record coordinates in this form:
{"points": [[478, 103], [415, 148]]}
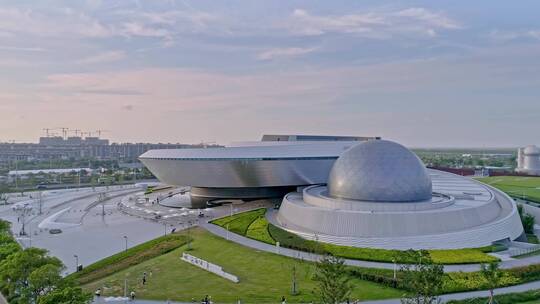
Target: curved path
{"points": [[315, 257], [444, 298]]}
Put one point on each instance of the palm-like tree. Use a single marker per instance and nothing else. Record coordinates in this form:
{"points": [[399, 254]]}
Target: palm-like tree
{"points": [[493, 275]]}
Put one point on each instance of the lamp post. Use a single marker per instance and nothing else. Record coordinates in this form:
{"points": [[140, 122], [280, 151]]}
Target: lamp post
{"points": [[76, 262], [395, 269], [126, 239], [189, 235]]}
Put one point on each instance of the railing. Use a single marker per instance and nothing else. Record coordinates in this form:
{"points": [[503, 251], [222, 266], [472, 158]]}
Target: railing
{"points": [[514, 252]]}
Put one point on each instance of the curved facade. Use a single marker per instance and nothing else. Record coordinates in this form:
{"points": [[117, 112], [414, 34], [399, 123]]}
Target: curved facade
{"points": [[450, 219], [379, 194], [270, 165]]}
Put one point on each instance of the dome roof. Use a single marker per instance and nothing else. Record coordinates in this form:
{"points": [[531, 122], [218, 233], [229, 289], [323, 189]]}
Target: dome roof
{"points": [[531, 150], [381, 171]]}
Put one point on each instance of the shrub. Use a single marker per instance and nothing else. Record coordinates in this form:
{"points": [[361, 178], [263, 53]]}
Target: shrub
{"points": [[510, 298]]}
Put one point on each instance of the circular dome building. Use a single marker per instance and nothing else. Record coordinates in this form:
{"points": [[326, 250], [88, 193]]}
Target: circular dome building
{"points": [[379, 194], [379, 171]]}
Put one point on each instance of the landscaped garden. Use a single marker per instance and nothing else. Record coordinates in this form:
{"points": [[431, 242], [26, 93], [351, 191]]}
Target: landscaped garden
{"points": [[254, 225], [264, 277]]}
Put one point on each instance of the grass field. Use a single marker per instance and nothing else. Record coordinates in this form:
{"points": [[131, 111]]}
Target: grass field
{"points": [[264, 277], [253, 224], [516, 186]]}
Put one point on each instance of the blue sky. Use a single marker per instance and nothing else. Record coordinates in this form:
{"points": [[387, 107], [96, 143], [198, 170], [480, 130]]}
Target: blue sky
{"points": [[424, 73]]}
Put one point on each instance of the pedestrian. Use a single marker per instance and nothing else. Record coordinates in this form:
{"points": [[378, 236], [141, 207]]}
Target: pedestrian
{"points": [[132, 294], [144, 278], [283, 300]]}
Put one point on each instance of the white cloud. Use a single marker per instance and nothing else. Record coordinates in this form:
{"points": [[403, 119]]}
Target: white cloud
{"points": [[511, 35], [109, 56], [22, 49], [375, 24], [283, 52], [429, 18]]}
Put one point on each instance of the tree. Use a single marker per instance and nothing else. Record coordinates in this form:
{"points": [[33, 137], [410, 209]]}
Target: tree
{"points": [[333, 284], [493, 275], [68, 295], [423, 278], [16, 268], [527, 219], [42, 280]]}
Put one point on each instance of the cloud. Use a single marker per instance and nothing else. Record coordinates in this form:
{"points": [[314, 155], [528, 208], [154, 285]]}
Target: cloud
{"points": [[512, 35], [109, 56], [375, 24], [52, 23], [429, 18], [274, 53], [22, 49]]}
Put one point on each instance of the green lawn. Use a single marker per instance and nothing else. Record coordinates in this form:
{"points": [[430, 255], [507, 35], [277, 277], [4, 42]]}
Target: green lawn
{"points": [[253, 224], [516, 186], [264, 277]]}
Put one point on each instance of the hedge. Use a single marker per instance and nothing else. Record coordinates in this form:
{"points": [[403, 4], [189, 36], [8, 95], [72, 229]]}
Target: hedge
{"points": [[241, 224], [510, 298]]}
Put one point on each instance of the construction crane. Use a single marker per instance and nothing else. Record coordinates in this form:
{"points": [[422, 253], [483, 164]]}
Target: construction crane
{"points": [[101, 131], [88, 134], [47, 131], [64, 131]]}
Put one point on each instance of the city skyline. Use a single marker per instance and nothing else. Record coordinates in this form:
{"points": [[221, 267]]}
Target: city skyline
{"points": [[427, 74]]}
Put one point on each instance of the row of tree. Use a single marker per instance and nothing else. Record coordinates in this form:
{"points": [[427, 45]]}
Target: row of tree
{"points": [[30, 275], [422, 280]]}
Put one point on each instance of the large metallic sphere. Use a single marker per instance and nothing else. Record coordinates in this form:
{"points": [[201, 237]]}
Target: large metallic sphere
{"points": [[380, 171]]}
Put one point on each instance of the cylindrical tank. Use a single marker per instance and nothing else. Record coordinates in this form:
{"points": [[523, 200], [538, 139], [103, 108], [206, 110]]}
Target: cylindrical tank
{"points": [[531, 158], [520, 158]]}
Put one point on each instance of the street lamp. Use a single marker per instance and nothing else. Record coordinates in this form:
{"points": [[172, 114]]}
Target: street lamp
{"points": [[76, 262], [126, 239]]}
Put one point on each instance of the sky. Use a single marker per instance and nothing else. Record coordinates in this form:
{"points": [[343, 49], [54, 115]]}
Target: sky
{"points": [[423, 73]]}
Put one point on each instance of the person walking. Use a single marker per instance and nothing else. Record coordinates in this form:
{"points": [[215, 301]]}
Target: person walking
{"points": [[132, 295], [144, 278], [283, 300]]}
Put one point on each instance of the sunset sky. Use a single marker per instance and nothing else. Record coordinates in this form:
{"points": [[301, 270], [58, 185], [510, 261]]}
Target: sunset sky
{"points": [[424, 73]]}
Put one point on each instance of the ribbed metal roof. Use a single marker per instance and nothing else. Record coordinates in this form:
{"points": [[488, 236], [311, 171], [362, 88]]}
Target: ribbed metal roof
{"points": [[293, 150]]}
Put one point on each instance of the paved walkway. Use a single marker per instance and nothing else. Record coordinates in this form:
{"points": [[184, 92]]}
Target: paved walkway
{"points": [[2, 299], [445, 298], [314, 257]]}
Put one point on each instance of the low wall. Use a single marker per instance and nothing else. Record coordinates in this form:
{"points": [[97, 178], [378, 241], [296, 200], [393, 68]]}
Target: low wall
{"points": [[213, 268]]}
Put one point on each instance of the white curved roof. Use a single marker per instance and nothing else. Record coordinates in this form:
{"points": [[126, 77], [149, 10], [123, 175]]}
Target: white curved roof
{"points": [[292, 150]]}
